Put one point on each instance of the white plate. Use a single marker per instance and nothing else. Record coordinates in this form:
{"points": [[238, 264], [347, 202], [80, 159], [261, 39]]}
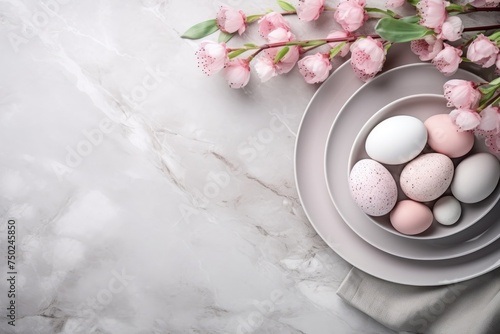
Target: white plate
{"points": [[350, 120], [313, 192]]}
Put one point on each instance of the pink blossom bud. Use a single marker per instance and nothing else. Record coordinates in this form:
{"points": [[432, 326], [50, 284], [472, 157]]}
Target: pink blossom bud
{"points": [[340, 34], [427, 48], [271, 22], [350, 14], [237, 73], [461, 94], [490, 120], [367, 57], [392, 4], [315, 68], [266, 68], [452, 29], [432, 12], [447, 60], [211, 57], [465, 119], [230, 20], [482, 51], [280, 35], [309, 10]]}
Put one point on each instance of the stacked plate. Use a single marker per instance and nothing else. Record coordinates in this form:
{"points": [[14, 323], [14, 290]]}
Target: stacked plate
{"points": [[328, 131]]}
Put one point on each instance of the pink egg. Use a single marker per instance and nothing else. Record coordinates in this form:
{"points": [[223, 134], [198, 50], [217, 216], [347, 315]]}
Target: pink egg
{"points": [[443, 136], [410, 217]]}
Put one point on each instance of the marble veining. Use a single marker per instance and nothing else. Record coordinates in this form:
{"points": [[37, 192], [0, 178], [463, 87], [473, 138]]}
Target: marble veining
{"points": [[149, 198]]}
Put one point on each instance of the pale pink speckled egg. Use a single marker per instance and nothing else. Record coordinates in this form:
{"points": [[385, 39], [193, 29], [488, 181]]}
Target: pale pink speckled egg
{"points": [[427, 177], [410, 217], [372, 187]]}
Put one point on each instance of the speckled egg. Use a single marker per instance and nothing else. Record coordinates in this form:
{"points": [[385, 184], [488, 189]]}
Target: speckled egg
{"points": [[372, 187], [427, 177]]}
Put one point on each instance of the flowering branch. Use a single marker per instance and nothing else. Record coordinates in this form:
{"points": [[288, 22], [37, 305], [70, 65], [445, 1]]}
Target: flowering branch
{"points": [[434, 32]]}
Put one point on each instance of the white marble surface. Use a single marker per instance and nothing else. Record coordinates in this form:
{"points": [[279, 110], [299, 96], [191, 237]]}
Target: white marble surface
{"points": [[149, 198]]}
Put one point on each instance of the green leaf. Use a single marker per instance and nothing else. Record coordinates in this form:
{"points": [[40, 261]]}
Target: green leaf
{"points": [[201, 30], [487, 89], [410, 19], [495, 82], [313, 43], [251, 46], [399, 31], [253, 18], [380, 11], [236, 53], [413, 2], [486, 98], [225, 37], [287, 7], [387, 47], [334, 51], [495, 36], [455, 8], [281, 54]]}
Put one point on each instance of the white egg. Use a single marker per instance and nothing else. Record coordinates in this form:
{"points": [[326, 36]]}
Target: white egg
{"points": [[476, 177], [372, 187], [396, 140], [447, 210]]}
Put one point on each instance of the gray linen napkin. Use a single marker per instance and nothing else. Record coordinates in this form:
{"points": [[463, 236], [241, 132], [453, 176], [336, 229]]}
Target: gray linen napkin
{"points": [[470, 307]]}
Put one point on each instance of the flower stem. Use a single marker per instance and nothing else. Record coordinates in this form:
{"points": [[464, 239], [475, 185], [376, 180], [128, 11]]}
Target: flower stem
{"points": [[472, 9], [304, 43], [496, 26], [493, 100]]}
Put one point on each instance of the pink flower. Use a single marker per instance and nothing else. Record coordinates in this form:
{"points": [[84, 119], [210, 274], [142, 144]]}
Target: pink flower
{"points": [[230, 20], [490, 120], [461, 94], [271, 22], [315, 68], [498, 62], [482, 51], [465, 119], [280, 35], [237, 73], [427, 48], [340, 34], [493, 143], [489, 127], [432, 13], [266, 68], [392, 4], [350, 14], [211, 57], [452, 29], [447, 60], [309, 10], [367, 57]]}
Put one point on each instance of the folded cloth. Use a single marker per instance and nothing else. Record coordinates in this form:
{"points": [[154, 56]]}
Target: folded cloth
{"points": [[470, 307]]}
